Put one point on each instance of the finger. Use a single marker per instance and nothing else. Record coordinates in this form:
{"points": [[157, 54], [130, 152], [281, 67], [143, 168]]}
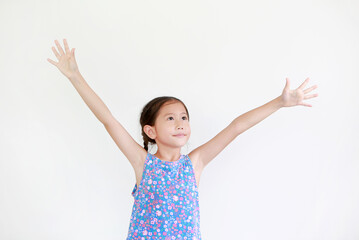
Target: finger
{"points": [[311, 96], [56, 53], [66, 47], [287, 84], [305, 104], [59, 47], [304, 83], [310, 89], [52, 62]]}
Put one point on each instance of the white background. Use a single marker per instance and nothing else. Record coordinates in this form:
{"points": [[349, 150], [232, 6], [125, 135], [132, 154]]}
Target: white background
{"points": [[294, 175]]}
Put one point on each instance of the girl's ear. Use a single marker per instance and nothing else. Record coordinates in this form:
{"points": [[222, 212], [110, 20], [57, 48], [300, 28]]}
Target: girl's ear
{"points": [[150, 131]]}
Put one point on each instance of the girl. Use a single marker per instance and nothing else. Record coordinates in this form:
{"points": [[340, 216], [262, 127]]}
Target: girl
{"points": [[166, 190]]}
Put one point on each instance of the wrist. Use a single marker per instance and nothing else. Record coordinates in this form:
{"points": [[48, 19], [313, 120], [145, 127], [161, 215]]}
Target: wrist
{"points": [[75, 76], [279, 102]]}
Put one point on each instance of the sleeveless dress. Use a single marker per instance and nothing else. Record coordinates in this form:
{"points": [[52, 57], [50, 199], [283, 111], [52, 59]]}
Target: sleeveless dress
{"points": [[166, 203]]}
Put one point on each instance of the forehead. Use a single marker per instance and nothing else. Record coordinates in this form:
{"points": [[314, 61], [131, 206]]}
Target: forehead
{"points": [[173, 107]]}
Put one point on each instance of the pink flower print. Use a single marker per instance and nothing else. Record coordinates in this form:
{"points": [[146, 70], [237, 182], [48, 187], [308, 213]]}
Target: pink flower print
{"points": [[158, 212], [150, 181], [175, 198], [144, 232]]}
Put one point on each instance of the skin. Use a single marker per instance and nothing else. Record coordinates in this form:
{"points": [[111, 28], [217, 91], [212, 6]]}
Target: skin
{"points": [[165, 129], [67, 62], [291, 98]]}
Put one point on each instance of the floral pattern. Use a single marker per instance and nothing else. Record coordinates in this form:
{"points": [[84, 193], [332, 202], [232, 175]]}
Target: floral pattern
{"points": [[166, 203]]}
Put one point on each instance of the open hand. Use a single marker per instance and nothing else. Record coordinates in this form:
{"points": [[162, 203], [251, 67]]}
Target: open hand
{"points": [[295, 97], [67, 62]]}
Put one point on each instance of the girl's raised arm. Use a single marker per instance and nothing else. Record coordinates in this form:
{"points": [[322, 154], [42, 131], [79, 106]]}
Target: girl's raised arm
{"points": [[289, 98], [67, 65]]}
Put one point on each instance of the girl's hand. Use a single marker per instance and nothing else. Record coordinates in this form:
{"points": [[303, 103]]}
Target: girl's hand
{"points": [[67, 62], [295, 97]]}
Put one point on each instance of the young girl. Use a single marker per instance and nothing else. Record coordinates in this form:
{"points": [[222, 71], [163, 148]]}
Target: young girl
{"points": [[166, 190]]}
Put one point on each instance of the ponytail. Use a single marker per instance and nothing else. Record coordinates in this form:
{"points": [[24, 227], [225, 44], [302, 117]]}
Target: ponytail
{"points": [[145, 144]]}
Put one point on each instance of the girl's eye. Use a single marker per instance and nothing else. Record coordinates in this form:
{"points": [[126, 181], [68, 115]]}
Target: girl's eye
{"points": [[185, 118]]}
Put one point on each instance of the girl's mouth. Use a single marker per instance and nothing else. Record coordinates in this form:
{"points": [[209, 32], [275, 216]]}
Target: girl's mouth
{"points": [[180, 135]]}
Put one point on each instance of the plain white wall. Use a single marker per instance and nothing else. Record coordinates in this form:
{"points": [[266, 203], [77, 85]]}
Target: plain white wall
{"points": [[292, 176]]}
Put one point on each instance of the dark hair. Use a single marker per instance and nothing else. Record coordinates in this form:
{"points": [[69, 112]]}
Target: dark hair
{"points": [[150, 112]]}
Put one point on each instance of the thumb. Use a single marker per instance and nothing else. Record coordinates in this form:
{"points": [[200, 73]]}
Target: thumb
{"points": [[73, 52], [287, 84]]}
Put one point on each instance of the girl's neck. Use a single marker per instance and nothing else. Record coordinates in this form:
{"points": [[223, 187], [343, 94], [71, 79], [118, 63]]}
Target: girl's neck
{"points": [[169, 155]]}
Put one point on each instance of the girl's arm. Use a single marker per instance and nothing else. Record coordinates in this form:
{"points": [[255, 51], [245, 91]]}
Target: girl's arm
{"points": [[68, 66], [208, 151], [96, 105]]}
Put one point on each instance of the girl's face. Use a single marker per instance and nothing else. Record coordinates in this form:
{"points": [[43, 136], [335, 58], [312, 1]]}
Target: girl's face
{"points": [[172, 127]]}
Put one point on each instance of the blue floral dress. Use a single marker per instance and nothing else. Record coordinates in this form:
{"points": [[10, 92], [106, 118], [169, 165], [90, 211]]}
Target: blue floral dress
{"points": [[166, 203]]}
